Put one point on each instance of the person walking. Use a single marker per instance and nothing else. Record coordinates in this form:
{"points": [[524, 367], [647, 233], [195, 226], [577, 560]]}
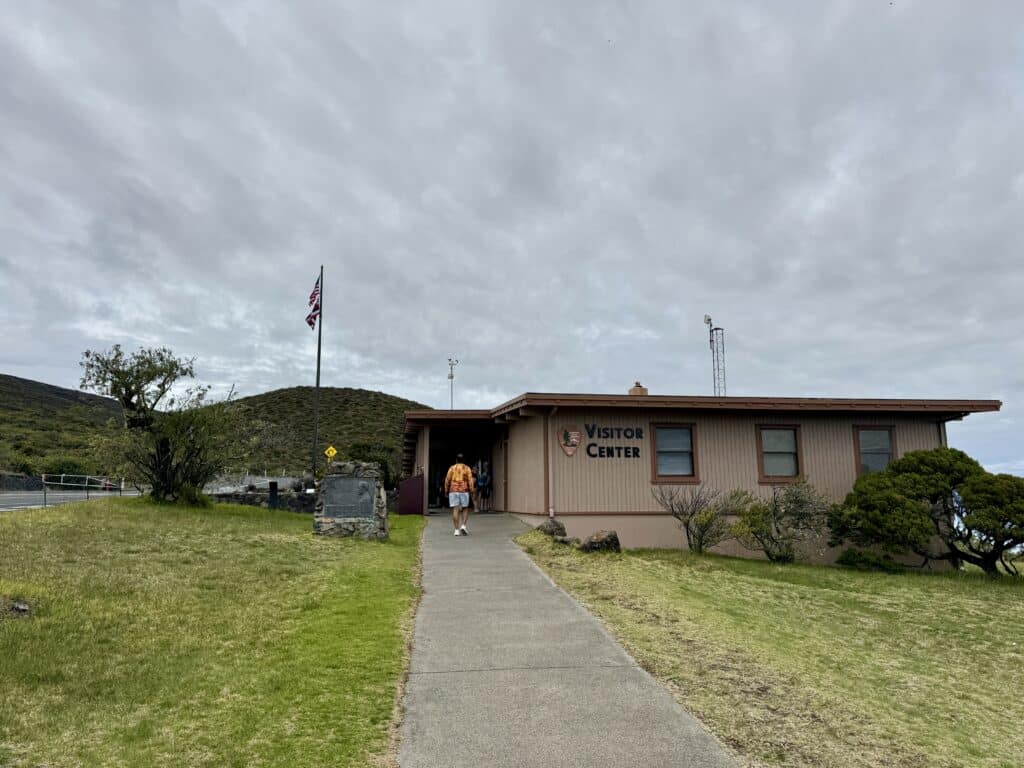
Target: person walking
{"points": [[483, 487], [458, 484]]}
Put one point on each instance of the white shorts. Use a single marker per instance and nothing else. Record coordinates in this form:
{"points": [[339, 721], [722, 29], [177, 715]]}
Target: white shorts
{"points": [[458, 499]]}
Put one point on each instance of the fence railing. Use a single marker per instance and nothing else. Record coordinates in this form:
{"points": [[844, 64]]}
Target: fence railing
{"points": [[60, 488]]}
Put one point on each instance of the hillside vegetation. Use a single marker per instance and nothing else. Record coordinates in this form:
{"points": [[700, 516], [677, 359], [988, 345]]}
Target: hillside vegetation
{"points": [[44, 428], [281, 424]]}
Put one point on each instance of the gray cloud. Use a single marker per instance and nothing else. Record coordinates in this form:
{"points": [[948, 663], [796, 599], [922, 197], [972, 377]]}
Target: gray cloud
{"points": [[556, 193]]}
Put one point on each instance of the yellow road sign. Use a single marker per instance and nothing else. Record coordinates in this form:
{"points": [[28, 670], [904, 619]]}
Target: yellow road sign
{"points": [[331, 452]]}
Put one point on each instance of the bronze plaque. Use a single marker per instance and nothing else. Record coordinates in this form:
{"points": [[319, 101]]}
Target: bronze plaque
{"points": [[348, 496]]}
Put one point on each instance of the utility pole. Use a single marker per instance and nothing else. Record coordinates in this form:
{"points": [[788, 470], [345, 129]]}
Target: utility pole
{"points": [[716, 340], [452, 362]]}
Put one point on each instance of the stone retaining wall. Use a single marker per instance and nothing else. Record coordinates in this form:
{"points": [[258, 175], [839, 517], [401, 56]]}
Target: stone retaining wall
{"points": [[289, 500]]}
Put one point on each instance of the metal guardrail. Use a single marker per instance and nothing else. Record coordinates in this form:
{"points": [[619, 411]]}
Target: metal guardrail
{"points": [[61, 489], [92, 485]]}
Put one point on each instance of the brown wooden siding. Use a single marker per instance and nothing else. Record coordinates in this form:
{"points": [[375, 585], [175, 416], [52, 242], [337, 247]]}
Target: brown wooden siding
{"points": [[727, 446], [526, 466]]}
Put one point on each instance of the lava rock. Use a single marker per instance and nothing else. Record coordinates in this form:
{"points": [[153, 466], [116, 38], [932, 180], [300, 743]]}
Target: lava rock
{"points": [[602, 541], [552, 527]]}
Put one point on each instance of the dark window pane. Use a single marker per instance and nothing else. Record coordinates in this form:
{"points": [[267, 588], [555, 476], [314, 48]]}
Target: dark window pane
{"points": [[674, 439], [875, 441], [780, 464], [873, 462], [675, 464], [780, 440]]}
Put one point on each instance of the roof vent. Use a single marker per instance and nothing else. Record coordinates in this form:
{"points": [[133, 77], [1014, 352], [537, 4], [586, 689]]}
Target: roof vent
{"points": [[638, 389]]}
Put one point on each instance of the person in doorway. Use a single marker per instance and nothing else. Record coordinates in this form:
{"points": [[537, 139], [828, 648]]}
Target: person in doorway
{"points": [[458, 484], [483, 487]]}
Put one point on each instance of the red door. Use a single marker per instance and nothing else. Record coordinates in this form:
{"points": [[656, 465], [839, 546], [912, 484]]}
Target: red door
{"points": [[410, 496]]}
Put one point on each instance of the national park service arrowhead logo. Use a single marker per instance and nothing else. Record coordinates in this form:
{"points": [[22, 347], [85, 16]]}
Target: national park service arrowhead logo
{"points": [[570, 439]]}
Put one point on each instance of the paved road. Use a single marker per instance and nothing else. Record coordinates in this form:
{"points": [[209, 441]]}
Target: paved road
{"points": [[508, 670], [25, 499]]}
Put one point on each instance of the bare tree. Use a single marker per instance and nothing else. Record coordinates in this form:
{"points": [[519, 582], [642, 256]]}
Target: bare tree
{"points": [[701, 511]]}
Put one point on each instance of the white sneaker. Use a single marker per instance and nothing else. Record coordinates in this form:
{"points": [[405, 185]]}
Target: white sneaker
{"points": [[464, 531], [458, 532]]}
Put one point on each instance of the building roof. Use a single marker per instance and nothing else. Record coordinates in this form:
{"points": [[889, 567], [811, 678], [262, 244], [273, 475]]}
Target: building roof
{"points": [[956, 408], [521, 406], [537, 403]]}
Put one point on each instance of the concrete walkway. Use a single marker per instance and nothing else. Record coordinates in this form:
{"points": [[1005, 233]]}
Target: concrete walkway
{"points": [[508, 670]]}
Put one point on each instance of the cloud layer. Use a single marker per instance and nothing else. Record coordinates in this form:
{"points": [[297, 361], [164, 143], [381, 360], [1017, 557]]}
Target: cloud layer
{"points": [[553, 193]]}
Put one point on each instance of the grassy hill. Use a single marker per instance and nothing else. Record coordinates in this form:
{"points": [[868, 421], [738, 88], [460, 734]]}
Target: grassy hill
{"points": [[282, 424], [44, 428]]}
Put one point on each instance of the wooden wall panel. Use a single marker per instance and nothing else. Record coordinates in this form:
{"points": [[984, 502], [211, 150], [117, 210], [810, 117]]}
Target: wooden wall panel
{"points": [[526, 466], [726, 446]]}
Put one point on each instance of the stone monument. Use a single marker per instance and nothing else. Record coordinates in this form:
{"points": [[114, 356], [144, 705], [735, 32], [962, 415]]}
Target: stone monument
{"points": [[351, 502]]}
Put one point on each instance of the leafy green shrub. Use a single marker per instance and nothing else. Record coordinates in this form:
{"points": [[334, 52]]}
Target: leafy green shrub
{"points": [[863, 560], [379, 453], [64, 465]]}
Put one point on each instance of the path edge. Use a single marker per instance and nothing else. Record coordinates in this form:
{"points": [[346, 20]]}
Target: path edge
{"points": [[389, 759], [609, 632]]}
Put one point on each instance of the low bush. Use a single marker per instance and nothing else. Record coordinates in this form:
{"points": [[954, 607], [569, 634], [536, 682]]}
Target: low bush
{"points": [[862, 560]]}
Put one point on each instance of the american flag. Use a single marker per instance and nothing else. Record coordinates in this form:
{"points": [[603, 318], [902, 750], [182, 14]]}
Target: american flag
{"points": [[314, 302]]}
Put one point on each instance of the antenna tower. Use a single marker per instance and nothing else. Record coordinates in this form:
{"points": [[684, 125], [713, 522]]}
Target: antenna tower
{"points": [[452, 362], [716, 340]]}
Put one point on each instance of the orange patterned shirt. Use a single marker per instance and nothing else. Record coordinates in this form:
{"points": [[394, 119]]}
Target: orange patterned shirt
{"points": [[459, 479]]}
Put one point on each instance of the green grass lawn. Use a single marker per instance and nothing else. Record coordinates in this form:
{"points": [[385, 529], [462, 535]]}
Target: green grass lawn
{"points": [[228, 636], [809, 666]]}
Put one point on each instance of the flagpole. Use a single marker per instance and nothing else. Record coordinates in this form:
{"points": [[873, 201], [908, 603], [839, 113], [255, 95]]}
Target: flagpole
{"points": [[316, 396]]}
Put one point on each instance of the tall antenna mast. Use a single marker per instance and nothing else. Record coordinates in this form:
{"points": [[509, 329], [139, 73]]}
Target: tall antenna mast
{"points": [[716, 339], [452, 362]]}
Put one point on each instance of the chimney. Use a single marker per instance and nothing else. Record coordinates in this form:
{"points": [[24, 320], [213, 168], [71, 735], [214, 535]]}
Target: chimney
{"points": [[638, 389]]}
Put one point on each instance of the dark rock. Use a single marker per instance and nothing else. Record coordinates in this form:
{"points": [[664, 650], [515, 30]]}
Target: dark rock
{"points": [[561, 539], [552, 527], [602, 541]]}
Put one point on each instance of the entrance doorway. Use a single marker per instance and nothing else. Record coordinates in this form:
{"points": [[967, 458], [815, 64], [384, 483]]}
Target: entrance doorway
{"points": [[474, 441]]}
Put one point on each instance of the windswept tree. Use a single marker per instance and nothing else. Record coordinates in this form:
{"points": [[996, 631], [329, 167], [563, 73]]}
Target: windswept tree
{"points": [[173, 440], [140, 382], [940, 505]]}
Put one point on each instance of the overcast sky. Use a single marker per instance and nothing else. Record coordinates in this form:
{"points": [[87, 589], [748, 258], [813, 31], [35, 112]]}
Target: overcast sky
{"points": [[555, 193]]}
